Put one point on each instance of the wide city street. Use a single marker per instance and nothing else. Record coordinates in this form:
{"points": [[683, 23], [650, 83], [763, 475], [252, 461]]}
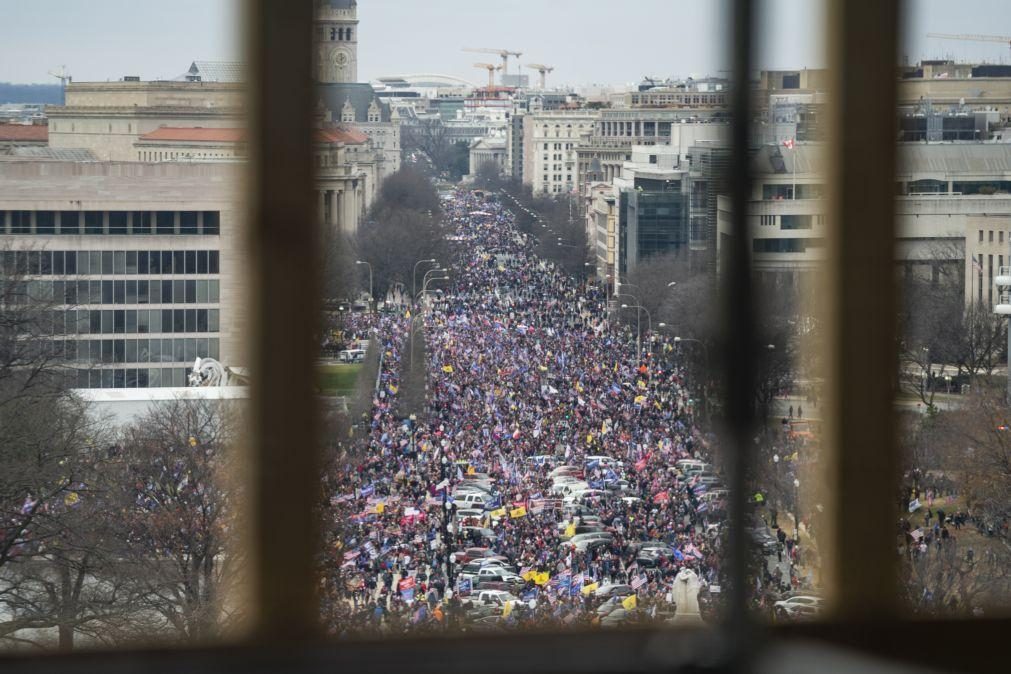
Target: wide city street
{"points": [[558, 479]]}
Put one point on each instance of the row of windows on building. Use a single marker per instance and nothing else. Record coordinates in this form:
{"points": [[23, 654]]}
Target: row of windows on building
{"points": [[776, 191], [792, 221], [634, 128], [786, 245], [154, 377], [129, 321], [77, 293], [1000, 236], [138, 351], [158, 155], [108, 262], [678, 99], [111, 222]]}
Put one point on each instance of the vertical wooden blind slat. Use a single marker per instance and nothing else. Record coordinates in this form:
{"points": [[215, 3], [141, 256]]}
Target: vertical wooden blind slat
{"points": [[285, 301], [862, 303], [738, 326]]}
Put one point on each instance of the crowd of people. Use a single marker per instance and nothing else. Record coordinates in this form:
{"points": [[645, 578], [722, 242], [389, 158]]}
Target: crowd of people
{"points": [[525, 373]]}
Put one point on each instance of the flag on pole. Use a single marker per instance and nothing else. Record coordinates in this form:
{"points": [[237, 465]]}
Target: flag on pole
{"points": [[638, 582]]}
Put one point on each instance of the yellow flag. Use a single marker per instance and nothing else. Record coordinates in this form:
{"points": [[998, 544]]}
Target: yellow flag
{"points": [[470, 470], [71, 499], [528, 574], [629, 602], [507, 609], [448, 369], [570, 530], [542, 578], [589, 438], [380, 508], [542, 368], [516, 513], [641, 384], [579, 387], [639, 400], [408, 314], [393, 389], [498, 513], [589, 588]]}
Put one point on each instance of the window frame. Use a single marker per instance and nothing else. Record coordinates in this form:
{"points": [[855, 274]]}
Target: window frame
{"points": [[860, 289]]}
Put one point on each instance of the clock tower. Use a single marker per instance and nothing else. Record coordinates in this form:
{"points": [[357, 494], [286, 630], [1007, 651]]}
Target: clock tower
{"points": [[336, 36]]}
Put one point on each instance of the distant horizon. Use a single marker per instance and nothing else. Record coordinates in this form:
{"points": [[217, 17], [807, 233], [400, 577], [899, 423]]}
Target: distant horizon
{"points": [[104, 40]]}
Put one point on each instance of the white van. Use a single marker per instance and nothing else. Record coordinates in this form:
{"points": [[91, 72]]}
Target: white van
{"points": [[470, 499], [351, 356]]}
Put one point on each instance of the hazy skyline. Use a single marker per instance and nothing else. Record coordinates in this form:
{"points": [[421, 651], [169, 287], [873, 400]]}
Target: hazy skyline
{"points": [[585, 40]]}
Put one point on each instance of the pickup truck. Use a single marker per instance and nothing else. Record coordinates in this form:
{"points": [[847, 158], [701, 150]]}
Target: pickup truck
{"points": [[493, 598], [497, 578]]}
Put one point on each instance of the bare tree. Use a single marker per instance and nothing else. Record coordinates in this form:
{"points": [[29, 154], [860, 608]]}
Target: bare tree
{"points": [[176, 509]]}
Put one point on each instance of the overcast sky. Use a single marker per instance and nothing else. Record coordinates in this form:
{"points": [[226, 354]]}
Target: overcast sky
{"points": [[588, 41]]}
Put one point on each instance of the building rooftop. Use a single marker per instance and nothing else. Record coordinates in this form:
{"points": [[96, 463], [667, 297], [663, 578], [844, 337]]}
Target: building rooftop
{"points": [[34, 133], [215, 71], [71, 154], [30, 181], [341, 134]]}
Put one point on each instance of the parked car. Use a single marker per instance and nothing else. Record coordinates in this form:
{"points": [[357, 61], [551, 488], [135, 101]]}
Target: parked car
{"points": [[801, 606], [613, 590], [493, 598], [498, 578]]}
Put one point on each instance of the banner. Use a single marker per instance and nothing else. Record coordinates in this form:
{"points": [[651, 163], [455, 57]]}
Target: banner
{"points": [[516, 513], [463, 587]]}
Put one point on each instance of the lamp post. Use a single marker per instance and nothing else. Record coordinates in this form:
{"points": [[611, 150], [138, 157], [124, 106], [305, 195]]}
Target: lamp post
{"points": [[414, 276], [638, 324], [371, 298], [775, 462], [796, 507], [429, 279], [705, 378], [443, 472]]}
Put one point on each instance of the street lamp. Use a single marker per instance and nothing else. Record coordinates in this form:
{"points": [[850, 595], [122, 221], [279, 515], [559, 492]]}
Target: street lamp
{"points": [[775, 462], [371, 298], [705, 353], [424, 286], [638, 325], [414, 276], [796, 507]]}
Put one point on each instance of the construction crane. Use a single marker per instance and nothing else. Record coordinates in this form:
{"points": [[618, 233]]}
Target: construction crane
{"points": [[504, 54], [64, 77], [491, 68], [973, 38], [543, 70]]}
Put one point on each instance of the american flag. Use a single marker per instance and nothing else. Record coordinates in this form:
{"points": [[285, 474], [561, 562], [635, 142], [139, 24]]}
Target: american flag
{"points": [[638, 582], [788, 143]]}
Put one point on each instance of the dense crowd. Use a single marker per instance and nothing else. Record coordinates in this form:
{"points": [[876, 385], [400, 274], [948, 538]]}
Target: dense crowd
{"points": [[528, 383]]}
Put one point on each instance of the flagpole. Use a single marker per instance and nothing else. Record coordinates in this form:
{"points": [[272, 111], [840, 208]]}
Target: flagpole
{"points": [[794, 148]]}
